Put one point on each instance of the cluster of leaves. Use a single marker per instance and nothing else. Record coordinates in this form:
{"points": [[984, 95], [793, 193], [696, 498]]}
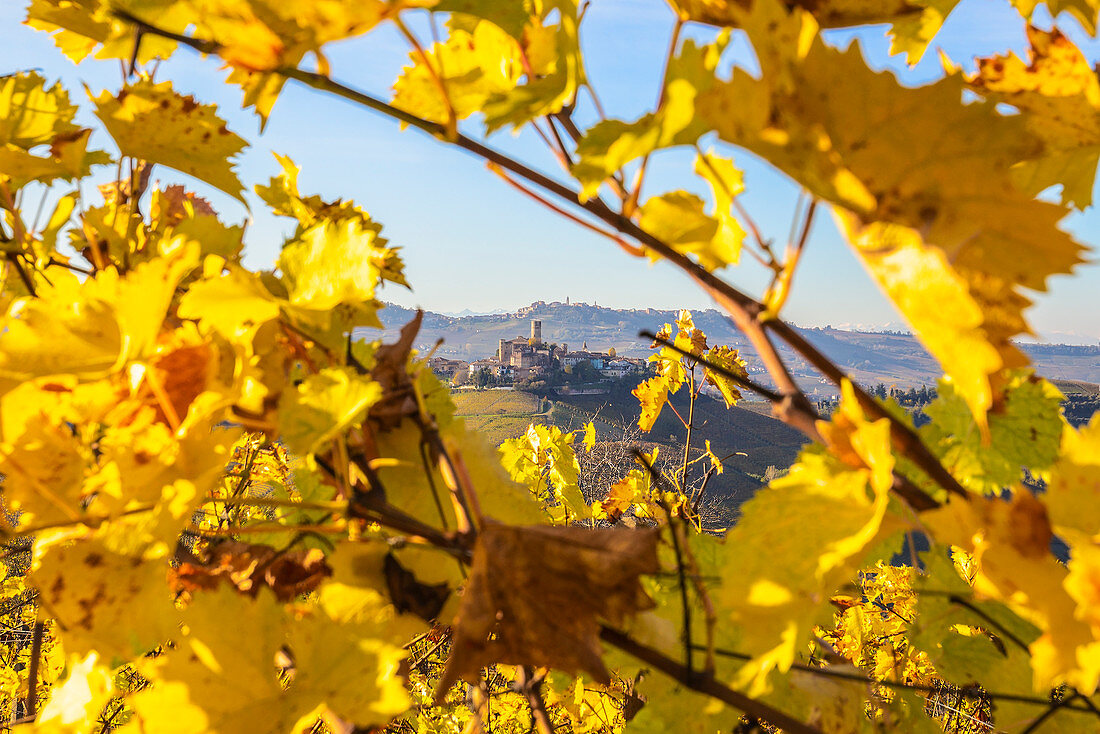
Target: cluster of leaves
{"points": [[242, 520]]}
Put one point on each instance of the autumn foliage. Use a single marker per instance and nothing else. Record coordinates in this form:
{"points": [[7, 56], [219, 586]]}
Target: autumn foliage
{"points": [[225, 511]]}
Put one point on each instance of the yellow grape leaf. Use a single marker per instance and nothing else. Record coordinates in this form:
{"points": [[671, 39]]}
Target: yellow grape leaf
{"points": [[669, 705], [232, 681], [61, 331], [510, 17], [913, 23], [92, 592], [352, 668], [332, 263], [231, 305], [283, 196], [589, 436], [43, 468], [144, 461], [1058, 96], [547, 92], [903, 166], [727, 358], [470, 66], [359, 590], [31, 114], [778, 571], [263, 35], [500, 497], [725, 183], [1024, 433], [653, 393], [408, 486], [88, 327], [323, 406], [631, 493], [971, 641], [544, 460], [79, 27], [1082, 585], [609, 145], [153, 123], [677, 218], [828, 13], [1009, 542], [175, 211], [74, 704], [69, 158], [1084, 11], [1073, 491]]}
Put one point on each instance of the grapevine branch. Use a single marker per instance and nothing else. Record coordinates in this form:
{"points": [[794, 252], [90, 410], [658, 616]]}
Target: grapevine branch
{"points": [[1088, 707], [752, 317], [531, 687], [1051, 711], [32, 677], [704, 682]]}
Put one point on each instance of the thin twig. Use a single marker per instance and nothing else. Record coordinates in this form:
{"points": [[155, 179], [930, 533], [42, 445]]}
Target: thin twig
{"points": [[781, 284], [704, 683], [627, 247]]}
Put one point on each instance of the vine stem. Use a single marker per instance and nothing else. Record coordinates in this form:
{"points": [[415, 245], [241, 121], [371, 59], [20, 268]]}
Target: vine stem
{"points": [[704, 683], [531, 686], [1087, 705], [32, 675], [692, 395]]}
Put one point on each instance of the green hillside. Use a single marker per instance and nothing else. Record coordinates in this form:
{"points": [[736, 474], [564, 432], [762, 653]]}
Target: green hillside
{"points": [[500, 414], [764, 441]]}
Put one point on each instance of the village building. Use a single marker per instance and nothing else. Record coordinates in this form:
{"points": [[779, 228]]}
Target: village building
{"points": [[445, 369]]}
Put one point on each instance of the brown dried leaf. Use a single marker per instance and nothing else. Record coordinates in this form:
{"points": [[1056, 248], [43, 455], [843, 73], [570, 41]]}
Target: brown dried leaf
{"points": [[248, 567], [171, 207], [409, 594], [391, 371], [535, 596]]}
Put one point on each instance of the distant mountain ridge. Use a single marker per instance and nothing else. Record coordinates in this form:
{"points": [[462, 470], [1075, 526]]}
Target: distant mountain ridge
{"points": [[891, 357]]}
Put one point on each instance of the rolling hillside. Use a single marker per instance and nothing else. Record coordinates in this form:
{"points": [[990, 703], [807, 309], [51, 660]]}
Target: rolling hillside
{"points": [[763, 440]]}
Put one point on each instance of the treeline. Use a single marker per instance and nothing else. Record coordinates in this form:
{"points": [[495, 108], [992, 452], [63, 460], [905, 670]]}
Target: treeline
{"points": [[911, 398], [1079, 409]]}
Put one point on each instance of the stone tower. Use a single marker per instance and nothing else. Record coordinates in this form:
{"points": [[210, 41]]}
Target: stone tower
{"points": [[536, 331]]}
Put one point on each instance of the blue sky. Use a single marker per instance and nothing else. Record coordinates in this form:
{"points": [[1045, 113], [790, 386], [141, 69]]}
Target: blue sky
{"points": [[469, 241]]}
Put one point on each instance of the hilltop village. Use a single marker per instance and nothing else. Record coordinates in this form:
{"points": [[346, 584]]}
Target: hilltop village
{"points": [[526, 360]]}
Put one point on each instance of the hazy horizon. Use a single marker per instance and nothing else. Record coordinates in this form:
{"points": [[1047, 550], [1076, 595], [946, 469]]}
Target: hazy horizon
{"points": [[1063, 338]]}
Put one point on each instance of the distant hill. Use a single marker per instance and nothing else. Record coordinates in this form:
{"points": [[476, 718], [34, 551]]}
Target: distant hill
{"points": [[894, 358]]}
